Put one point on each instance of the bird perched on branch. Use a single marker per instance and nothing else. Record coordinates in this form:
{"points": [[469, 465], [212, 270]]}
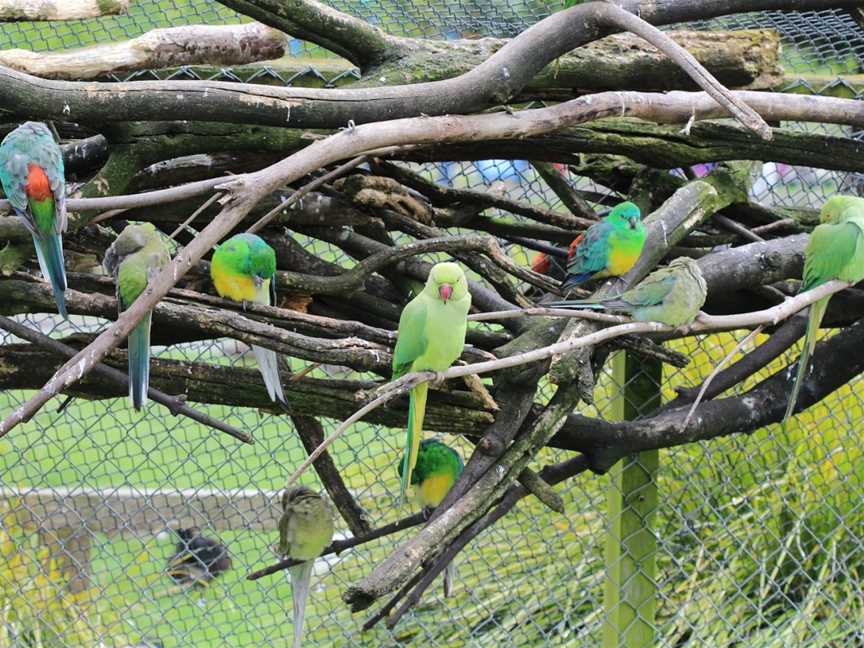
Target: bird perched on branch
{"points": [[197, 560], [835, 251], [133, 259], [31, 172], [438, 467], [672, 295], [243, 269], [609, 248], [431, 337], [305, 529]]}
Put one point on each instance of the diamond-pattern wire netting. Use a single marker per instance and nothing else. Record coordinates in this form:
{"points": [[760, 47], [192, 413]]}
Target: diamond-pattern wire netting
{"points": [[759, 538]]}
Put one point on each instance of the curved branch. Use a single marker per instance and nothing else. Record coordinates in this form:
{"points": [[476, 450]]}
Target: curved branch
{"points": [[835, 362], [492, 82], [610, 14], [358, 41], [174, 404]]}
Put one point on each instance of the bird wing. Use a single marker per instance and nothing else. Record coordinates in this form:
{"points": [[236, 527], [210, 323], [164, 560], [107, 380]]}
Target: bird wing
{"points": [[412, 340], [828, 252], [652, 290], [591, 253]]}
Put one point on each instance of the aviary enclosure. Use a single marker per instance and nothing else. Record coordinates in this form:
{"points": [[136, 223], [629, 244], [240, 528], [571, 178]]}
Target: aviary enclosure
{"points": [[619, 490]]}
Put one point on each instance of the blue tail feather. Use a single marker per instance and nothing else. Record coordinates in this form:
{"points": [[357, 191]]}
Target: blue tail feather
{"points": [[573, 280], [49, 251], [139, 362]]}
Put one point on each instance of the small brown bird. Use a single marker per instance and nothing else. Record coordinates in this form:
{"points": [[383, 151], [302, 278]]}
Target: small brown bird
{"points": [[197, 560]]}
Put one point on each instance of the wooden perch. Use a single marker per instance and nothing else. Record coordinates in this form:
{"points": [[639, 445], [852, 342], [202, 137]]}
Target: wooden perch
{"points": [[13, 10], [160, 48]]}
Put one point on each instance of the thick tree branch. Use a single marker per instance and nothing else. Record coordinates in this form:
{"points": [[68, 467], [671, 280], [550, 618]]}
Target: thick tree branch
{"points": [[612, 15], [492, 82], [835, 362], [174, 404], [160, 48], [361, 43], [12, 10], [453, 412]]}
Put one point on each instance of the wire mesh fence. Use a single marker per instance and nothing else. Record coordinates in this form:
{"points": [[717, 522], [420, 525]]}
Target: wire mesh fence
{"points": [[758, 540]]}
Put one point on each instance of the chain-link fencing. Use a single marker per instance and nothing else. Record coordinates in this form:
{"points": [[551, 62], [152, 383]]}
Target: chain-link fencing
{"points": [[758, 540]]}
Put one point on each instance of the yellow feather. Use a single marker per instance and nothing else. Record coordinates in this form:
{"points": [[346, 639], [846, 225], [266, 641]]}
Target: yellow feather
{"points": [[235, 286], [434, 489]]}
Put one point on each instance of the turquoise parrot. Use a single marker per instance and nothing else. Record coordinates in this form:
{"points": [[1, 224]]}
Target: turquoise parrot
{"points": [[438, 467], [305, 529], [134, 258], [608, 248], [243, 269], [835, 251], [431, 337], [31, 171], [672, 295]]}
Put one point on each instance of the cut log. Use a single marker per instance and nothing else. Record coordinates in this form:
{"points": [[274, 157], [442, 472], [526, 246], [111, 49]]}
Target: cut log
{"points": [[747, 58], [175, 46], [12, 10]]}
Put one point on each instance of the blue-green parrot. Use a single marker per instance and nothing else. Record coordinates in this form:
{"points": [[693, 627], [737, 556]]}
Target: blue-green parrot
{"points": [[31, 172]]}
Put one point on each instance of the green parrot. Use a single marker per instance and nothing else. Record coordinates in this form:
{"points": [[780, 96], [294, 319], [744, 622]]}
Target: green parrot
{"points": [[438, 467], [835, 251], [431, 337], [243, 269], [305, 529], [672, 295], [135, 256], [31, 172], [608, 248]]}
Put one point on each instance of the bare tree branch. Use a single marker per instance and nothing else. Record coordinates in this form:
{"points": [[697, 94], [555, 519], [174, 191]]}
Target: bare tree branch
{"points": [[159, 48], [174, 404], [611, 14], [12, 10], [492, 82], [361, 43]]}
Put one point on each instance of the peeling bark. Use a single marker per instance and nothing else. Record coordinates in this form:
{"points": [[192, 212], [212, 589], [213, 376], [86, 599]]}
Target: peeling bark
{"points": [[12, 10], [160, 48]]}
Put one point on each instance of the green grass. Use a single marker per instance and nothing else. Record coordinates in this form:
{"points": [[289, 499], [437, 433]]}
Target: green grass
{"points": [[759, 537]]}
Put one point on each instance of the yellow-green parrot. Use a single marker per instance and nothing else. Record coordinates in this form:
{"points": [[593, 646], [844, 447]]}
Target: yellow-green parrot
{"points": [[835, 251], [438, 467], [672, 295], [305, 529], [31, 172], [135, 256], [243, 269], [431, 337]]}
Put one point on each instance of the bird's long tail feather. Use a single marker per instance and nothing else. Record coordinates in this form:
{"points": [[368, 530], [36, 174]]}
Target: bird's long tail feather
{"points": [[814, 320], [416, 412], [138, 347], [301, 575], [575, 303], [450, 577], [574, 280], [268, 365], [49, 251]]}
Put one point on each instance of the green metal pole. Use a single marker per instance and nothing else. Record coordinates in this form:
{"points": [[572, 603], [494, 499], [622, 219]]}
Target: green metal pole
{"points": [[631, 547]]}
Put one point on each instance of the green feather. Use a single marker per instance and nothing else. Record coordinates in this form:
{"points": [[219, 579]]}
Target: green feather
{"points": [[431, 337], [835, 250]]}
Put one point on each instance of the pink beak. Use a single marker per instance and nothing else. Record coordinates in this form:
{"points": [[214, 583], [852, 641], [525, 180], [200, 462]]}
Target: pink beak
{"points": [[445, 290]]}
